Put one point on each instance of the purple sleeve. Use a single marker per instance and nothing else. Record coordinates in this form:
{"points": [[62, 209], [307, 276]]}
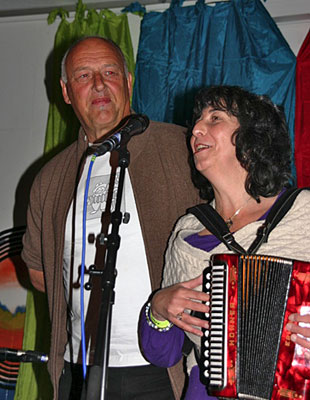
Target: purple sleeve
{"points": [[163, 349], [196, 390]]}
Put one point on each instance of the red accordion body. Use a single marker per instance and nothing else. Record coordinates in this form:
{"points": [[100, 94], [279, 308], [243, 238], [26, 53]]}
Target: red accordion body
{"points": [[247, 353]]}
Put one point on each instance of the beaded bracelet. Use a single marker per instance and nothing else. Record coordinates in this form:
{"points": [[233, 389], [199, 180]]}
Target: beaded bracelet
{"points": [[160, 326]]}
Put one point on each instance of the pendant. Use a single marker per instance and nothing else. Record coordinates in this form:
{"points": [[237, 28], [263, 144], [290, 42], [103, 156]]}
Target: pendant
{"points": [[229, 223]]}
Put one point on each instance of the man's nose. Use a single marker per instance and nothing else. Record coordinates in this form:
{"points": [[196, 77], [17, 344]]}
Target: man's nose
{"points": [[98, 82]]}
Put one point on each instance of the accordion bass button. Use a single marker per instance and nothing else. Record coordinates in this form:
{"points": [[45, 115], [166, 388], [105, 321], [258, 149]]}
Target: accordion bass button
{"points": [[206, 374], [206, 363]]}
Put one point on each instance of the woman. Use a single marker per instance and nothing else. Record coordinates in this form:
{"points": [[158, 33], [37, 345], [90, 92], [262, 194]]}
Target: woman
{"points": [[241, 155]]}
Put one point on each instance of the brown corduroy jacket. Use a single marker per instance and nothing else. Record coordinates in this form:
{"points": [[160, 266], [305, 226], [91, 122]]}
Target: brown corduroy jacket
{"points": [[163, 190]]}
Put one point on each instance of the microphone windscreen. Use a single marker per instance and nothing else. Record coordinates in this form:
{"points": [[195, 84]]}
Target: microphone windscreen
{"points": [[137, 124]]}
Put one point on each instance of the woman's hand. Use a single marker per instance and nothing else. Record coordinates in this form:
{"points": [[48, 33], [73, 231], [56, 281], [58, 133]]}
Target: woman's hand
{"points": [[170, 303], [296, 329]]}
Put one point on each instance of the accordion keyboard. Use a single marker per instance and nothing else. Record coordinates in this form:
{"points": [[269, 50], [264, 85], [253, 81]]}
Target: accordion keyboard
{"points": [[214, 341]]}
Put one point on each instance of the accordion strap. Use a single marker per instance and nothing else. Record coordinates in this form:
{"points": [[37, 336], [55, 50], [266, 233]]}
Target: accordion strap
{"points": [[212, 220], [276, 213], [217, 226]]}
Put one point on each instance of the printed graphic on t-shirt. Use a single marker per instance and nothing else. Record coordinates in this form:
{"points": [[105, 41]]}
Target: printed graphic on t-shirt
{"points": [[98, 195]]}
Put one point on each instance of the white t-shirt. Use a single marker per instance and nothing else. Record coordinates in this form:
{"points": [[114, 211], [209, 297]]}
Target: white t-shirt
{"points": [[132, 285]]}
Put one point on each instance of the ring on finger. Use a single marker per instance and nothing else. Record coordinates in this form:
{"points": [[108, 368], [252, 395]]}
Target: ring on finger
{"points": [[179, 316]]}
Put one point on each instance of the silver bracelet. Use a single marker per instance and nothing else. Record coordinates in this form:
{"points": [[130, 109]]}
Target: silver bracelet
{"points": [[152, 322]]}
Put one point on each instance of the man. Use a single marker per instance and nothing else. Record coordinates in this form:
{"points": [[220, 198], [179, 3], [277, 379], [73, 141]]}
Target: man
{"points": [[157, 190]]}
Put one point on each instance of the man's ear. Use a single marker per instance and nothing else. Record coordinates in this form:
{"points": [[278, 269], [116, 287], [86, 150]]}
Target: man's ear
{"points": [[64, 91], [129, 83]]}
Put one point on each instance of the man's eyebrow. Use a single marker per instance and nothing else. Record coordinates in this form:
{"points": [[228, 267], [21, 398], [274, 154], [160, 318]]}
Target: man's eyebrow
{"points": [[111, 65], [81, 68], [88, 67]]}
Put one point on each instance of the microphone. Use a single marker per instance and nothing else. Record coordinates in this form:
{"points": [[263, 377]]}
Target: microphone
{"points": [[22, 355], [136, 124]]}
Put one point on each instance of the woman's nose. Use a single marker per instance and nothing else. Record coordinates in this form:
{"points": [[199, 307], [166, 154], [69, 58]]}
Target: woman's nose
{"points": [[199, 129]]}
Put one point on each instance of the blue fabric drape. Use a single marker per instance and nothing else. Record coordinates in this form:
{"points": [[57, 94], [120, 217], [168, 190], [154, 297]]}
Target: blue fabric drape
{"points": [[233, 43]]}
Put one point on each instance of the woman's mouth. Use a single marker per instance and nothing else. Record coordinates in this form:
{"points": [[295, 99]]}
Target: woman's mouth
{"points": [[199, 147]]}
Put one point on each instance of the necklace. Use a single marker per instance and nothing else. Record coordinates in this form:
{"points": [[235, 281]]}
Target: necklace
{"points": [[230, 221]]}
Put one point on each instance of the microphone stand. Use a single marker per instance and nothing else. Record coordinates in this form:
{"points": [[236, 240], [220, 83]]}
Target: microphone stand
{"points": [[97, 381]]}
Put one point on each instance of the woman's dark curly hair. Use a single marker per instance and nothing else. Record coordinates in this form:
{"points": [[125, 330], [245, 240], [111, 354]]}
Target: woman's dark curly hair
{"points": [[262, 140]]}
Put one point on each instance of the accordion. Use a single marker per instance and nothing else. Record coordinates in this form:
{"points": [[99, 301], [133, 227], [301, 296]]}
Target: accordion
{"points": [[247, 353]]}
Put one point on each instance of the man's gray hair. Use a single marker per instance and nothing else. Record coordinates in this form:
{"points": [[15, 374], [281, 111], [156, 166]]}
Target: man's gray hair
{"points": [[113, 44]]}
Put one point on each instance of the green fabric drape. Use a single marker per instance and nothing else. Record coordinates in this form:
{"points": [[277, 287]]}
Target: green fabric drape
{"points": [[62, 128], [33, 381]]}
